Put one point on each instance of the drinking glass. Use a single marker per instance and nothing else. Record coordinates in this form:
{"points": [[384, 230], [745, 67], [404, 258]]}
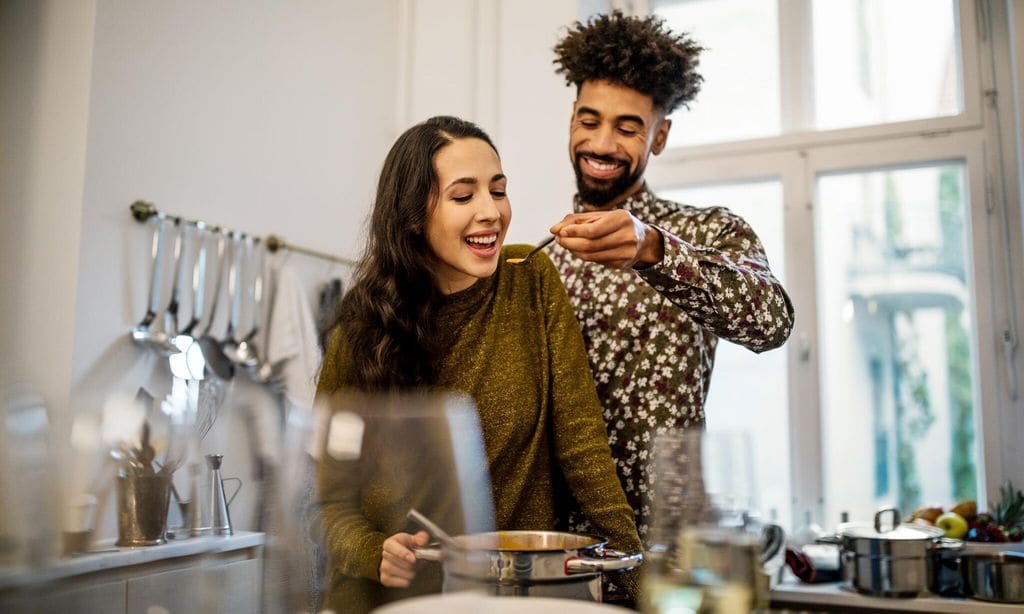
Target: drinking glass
{"points": [[704, 543]]}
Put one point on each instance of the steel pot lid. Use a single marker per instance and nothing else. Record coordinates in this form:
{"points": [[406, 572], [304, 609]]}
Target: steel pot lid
{"points": [[894, 530], [901, 532]]}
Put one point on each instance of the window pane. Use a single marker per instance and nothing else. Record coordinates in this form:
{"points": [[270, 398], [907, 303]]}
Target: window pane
{"points": [[878, 61], [896, 339], [740, 65], [748, 390]]}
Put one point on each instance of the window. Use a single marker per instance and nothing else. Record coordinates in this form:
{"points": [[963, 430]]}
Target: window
{"points": [[744, 392], [740, 39], [895, 307], [872, 62], [878, 61], [871, 171]]}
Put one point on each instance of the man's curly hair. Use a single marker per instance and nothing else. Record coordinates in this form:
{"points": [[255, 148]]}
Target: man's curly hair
{"points": [[641, 54]]}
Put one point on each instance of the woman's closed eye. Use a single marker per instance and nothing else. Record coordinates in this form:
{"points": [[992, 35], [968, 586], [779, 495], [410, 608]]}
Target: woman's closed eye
{"points": [[498, 193], [462, 198]]}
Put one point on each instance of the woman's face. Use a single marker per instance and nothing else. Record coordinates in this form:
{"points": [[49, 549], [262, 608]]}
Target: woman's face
{"points": [[469, 218]]}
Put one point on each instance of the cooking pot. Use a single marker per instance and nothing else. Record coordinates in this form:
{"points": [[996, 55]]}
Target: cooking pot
{"points": [[994, 577], [887, 560], [529, 563]]}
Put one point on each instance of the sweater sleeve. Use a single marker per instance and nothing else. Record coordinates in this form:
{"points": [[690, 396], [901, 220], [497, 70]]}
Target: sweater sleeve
{"points": [[353, 544], [580, 437], [724, 282]]}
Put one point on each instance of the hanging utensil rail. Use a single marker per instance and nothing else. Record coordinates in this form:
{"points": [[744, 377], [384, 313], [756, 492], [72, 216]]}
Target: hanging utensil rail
{"points": [[142, 211]]}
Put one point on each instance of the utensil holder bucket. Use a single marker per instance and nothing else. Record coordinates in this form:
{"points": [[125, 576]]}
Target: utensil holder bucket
{"points": [[142, 510]]}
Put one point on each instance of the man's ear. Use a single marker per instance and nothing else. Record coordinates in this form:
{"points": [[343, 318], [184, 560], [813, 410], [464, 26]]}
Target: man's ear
{"points": [[661, 136]]}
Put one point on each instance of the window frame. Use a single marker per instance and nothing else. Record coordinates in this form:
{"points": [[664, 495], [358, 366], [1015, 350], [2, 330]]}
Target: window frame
{"points": [[993, 226]]}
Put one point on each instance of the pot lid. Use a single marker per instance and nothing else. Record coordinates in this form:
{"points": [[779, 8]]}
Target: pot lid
{"points": [[904, 531]]}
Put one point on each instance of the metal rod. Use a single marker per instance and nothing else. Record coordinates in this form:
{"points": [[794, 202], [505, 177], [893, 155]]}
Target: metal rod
{"points": [[142, 211]]}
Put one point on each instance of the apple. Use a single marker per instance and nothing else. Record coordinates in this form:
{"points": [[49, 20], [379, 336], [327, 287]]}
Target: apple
{"points": [[954, 525]]}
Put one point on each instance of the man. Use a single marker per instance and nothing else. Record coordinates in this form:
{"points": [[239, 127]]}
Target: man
{"points": [[654, 283]]}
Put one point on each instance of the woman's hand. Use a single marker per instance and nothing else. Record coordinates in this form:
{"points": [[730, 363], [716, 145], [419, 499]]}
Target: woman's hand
{"points": [[398, 562]]}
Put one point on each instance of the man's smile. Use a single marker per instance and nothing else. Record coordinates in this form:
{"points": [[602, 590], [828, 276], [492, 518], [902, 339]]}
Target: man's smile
{"points": [[601, 167]]}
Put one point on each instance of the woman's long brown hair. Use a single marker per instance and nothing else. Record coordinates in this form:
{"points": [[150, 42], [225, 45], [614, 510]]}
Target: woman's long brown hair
{"points": [[388, 315]]}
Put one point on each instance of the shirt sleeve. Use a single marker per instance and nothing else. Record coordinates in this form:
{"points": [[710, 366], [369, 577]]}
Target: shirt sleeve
{"points": [[354, 546], [580, 437], [722, 281]]}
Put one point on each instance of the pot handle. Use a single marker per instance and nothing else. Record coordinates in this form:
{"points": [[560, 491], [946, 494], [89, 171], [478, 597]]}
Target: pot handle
{"points": [[895, 518], [611, 560], [428, 553]]}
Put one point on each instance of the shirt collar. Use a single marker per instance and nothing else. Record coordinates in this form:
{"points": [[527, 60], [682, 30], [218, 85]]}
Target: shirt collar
{"points": [[645, 205]]}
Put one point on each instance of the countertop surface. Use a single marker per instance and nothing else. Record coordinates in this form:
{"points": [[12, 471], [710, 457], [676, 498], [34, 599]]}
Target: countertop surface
{"points": [[107, 556], [835, 595]]}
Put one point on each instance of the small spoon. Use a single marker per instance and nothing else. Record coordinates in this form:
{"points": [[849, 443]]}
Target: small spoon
{"points": [[533, 251], [433, 529]]}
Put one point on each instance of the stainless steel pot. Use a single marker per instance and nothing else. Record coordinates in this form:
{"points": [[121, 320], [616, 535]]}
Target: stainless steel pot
{"points": [[995, 577], [529, 563], [887, 560]]}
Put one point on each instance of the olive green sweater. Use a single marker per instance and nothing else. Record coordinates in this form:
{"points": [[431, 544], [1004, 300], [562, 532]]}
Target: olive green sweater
{"points": [[513, 344]]}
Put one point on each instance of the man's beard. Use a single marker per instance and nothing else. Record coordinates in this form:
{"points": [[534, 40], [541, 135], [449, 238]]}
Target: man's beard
{"points": [[605, 191]]}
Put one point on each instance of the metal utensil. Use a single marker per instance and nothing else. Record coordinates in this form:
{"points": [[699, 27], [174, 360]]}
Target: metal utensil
{"points": [[218, 363], [171, 312], [245, 353], [433, 529], [533, 251], [264, 372], [142, 333], [186, 358], [229, 344]]}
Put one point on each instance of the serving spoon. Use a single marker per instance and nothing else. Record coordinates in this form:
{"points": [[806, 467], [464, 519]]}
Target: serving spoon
{"points": [[448, 541], [533, 251]]}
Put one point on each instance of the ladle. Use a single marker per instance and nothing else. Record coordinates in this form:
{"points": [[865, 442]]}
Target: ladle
{"points": [[245, 352], [212, 352], [433, 529], [229, 345], [264, 371], [171, 313], [189, 363], [142, 333]]}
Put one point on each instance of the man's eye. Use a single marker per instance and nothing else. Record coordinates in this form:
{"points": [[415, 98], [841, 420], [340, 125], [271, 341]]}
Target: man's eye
{"points": [[462, 199], [627, 131], [588, 123]]}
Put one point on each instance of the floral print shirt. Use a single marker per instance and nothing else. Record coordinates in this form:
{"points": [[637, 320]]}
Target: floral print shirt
{"points": [[650, 334]]}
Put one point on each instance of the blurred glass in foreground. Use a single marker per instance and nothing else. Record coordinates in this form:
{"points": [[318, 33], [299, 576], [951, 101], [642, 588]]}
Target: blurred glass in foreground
{"points": [[705, 552]]}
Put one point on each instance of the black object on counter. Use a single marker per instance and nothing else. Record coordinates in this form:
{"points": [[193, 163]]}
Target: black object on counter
{"points": [[816, 563]]}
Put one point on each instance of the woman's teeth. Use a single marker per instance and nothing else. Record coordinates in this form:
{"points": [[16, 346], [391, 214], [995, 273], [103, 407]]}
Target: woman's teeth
{"points": [[482, 240]]}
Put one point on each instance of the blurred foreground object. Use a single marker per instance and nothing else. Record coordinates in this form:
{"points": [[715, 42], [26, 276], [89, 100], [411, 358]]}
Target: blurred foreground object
{"points": [[28, 522]]}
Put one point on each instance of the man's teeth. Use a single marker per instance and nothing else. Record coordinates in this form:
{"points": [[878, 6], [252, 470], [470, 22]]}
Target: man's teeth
{"points": [[602, 166], [485, 240]]}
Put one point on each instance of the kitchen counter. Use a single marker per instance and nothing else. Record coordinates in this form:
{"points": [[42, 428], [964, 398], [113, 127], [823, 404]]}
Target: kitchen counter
{"points": [[107, 556], [793, 595], [222, 574]]}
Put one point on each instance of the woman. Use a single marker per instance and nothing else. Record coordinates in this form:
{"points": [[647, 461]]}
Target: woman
{"points": [[434, 305]]}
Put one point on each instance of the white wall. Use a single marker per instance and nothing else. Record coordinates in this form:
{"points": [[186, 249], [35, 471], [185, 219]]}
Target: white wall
{"points": [[491, 62], [269, 117]]}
